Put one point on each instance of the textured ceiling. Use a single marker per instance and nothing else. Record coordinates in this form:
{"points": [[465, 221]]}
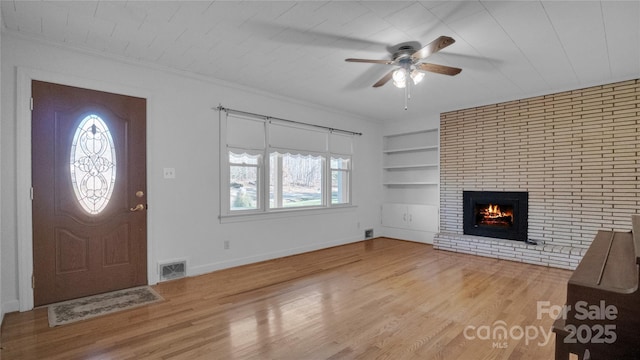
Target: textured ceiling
{"points": [[507, 50]]}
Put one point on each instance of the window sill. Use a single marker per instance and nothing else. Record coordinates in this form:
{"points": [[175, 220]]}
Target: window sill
{"points": [[284, 213]]}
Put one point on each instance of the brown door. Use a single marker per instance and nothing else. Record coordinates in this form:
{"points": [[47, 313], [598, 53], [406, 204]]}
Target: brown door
{"points": [[89, 192]]}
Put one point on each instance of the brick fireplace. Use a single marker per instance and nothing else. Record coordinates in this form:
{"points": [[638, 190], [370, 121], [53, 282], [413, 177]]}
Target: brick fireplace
{"points": [[576, 155], [495, 214]]}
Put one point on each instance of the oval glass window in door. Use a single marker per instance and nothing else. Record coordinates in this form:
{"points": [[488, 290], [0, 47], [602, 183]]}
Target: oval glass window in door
{"points": [[93, 164]]}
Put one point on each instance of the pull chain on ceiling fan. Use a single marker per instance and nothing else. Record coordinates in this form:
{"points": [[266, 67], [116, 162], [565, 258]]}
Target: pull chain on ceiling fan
{"points": [[410, 65]]}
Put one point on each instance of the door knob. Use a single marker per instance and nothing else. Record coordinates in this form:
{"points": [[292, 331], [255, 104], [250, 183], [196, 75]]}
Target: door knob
{"points": [[138, 207]]}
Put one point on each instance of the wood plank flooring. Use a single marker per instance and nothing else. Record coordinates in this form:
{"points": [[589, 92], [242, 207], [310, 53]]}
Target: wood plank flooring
{"points": [[376, 299]]}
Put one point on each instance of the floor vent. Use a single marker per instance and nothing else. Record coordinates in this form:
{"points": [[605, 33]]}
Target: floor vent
{"points": [[174, 270]]}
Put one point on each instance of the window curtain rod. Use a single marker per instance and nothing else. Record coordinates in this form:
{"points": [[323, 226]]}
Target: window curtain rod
{"points": [[221, 108]]}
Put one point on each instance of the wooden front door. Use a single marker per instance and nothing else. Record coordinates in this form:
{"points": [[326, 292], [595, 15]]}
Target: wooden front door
{"points": [[89, 192]]}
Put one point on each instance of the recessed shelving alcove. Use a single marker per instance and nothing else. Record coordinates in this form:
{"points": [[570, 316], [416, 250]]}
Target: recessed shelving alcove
{"points": [[411, 177]]}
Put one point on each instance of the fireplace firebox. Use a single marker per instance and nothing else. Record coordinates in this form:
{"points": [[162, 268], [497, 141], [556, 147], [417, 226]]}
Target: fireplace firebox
{"points": [[497, 214]]}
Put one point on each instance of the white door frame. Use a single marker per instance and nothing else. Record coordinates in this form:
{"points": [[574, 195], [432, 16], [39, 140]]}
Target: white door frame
{"points": [[23, 170]]}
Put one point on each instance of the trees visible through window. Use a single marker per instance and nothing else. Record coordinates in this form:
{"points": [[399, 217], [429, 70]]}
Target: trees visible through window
{"points": [[273, 166], [340, 170], [295, 180], [244, 170]]}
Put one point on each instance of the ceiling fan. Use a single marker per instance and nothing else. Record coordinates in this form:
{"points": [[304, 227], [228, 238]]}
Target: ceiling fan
{"points": [[409, 63]]}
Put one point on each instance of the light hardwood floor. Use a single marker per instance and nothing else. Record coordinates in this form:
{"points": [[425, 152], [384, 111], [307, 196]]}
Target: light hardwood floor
{"points": [[377, 299]]}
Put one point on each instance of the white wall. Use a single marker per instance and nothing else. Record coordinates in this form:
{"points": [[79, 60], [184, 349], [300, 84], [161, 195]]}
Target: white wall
{"points": [[429, 121], [182, 132]]}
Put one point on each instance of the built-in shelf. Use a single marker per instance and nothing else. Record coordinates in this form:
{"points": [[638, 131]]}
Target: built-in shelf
{"points": [[415, 166], [410, 149], [411, 158], [411, 183], [411, 179]]}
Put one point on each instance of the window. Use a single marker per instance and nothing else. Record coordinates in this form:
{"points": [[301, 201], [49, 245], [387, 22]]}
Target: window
{"points": [[244, 184], [295, 180], [274, 165], [340, 171]]}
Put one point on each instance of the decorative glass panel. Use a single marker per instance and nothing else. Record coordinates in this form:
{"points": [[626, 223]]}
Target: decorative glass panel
{"points": [[93, 164]]}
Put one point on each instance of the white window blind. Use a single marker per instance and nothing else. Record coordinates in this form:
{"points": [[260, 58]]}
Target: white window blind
{"points": [[285, 136], [340, 144], [245, 133]]}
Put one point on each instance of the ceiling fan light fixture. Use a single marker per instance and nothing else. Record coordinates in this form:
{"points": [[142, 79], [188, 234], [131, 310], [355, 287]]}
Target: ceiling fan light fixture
{"points": [[410, 65], [417, 76], [400, 78]]}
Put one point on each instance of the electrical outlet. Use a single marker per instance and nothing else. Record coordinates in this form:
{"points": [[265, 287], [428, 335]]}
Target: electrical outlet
{"points": [[368, 234], [226, 245], [169, 173]]}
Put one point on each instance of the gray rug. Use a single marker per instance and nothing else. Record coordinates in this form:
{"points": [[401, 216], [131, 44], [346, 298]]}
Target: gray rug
{"points": [[88, 307]]}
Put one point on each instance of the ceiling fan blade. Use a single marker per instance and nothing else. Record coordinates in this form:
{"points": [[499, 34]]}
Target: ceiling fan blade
{"points": [[439, 69], [385, 62], [384, 79], [432, 48]]}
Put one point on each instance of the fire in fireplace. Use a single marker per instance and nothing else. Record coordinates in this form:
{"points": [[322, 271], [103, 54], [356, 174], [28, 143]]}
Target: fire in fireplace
{"points": [[497, 214], [494, 215]]}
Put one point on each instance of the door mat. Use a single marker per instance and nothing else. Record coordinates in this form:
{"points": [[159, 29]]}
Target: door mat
{"points": [[91, 306]]}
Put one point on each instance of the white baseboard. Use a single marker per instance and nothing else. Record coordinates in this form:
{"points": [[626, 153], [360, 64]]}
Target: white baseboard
{"points": [[425, 237], [204, 269]]}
